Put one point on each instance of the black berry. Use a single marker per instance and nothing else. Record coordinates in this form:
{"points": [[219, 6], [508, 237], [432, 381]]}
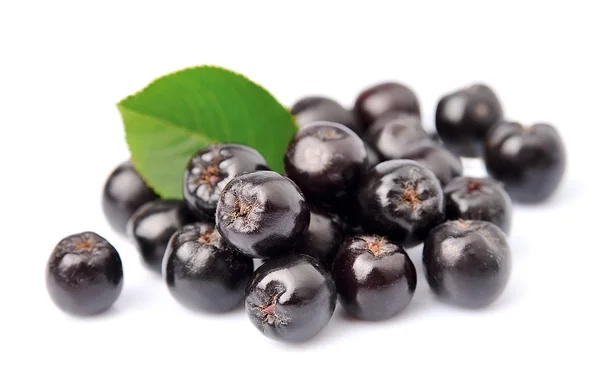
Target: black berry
{"points": [[467, 263], [401, 199], [391, 138], [84, 274], [483, 199], [124, 192], [383, 98], [317, 108], [529, 161], [375, 278], [325, 160], [323, 237], [203, 272], [262, 214], [434, 156], [210, 169], [290, 298], [152, 226], [465, 116]]}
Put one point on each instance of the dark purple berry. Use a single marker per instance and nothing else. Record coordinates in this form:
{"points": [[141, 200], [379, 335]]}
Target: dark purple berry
{"points": [[483, 199], [210, 169], [529, 161], [402, 200], [84, 274], [325, 160], [444, 164], [375, 278], [383, 98], [291, 298], [464, 117], [317, 108], [262, 214], [203, 272], [323, 237], [392, 139], [467, 263], [124, 192], [152, 226]]}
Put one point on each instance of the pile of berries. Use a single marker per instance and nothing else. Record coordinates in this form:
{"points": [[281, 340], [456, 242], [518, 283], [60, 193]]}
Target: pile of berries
{"points": [[360, 187]]}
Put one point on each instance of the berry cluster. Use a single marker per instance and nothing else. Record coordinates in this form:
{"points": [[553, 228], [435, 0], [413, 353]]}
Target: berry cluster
{"points": [[360, 186]]}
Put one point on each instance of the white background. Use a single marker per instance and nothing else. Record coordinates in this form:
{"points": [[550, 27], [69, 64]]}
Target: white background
{"points": [[65, 65]]}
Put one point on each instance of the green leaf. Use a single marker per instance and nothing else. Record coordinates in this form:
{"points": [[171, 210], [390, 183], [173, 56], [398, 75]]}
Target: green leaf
{"points": [[180, 113]]}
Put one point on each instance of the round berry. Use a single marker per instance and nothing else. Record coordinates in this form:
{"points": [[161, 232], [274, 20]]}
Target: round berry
{"points": [[464, 117], [467, 263], [383, 98], [210, 169], [290, 298], [262, 214], [84, 274], [375, 278], [317, 108], [152, 226], [124, 192], [203, 272], [483, 199], [323, 237], [529, 161], [401, 199], [325, 159], [434, 156], [392, 138]]}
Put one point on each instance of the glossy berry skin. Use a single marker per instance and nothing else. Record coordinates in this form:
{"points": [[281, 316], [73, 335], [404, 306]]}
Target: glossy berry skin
{"points": [[152, 226], [374, 277], [467, 263], [290, 298], [392, 139], [325, 160], [84, 274], [464, 117], [529, 161], [323, 237], [262, 214], [124, 192], [318, 108], [203, 272], [402, 200], [434, 156], [372, 156], [484, 199], [210, 169], [383, 98]]}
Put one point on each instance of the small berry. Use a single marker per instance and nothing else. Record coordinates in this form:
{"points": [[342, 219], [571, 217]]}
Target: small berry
{"points": [[262, 214], [467, 263], [325, 160], [84, 274], [210, 169], [316, 108], [290, 298], [392, 137], [374, 277], [444, 164], [483, 199], [464, 117], [323, 237], [152, 226], [203, 272], [402, 200], [124, 192], [383, 98], [529, 161]]}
